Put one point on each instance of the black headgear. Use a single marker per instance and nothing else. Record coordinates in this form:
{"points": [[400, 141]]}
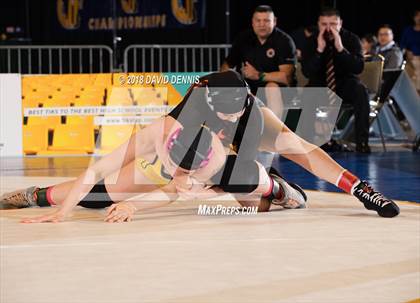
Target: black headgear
{"points": [[228, 92]]}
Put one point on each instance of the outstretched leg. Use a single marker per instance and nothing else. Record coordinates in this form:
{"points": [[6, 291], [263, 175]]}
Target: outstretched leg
{"points": [[120, 185], [278, 138]]}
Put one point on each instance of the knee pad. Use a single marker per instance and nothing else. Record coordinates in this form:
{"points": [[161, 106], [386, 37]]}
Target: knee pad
{"points": [[97, 198], [237, 176]]}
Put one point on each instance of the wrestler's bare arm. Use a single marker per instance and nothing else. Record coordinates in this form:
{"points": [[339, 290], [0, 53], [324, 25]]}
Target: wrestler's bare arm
{"points": [[156, 198], [142, 142], [125, 210]]}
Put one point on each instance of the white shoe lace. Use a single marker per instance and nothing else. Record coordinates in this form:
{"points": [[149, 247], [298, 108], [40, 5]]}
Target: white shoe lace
{"points": [[375, 198], [18, 198], [15, 196]]}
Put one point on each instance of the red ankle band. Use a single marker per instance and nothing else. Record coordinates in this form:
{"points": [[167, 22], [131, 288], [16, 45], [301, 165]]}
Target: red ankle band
{"points": [[346, 181], [49, 198], [271, 188]]}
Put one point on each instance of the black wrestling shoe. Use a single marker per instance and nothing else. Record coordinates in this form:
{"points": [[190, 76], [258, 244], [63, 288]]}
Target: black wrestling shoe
{"points": [[374, 200]]}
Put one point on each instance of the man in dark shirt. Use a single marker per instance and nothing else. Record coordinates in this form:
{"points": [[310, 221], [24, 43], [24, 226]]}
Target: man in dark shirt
{"points": [[266, 56], [333, 58]]}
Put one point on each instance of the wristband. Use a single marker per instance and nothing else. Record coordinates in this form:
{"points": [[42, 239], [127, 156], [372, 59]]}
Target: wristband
{"points": [[261, 76]]}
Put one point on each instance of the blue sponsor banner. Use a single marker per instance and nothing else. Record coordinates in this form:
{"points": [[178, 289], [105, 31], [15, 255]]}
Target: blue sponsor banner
{"points": [[96, 15]]}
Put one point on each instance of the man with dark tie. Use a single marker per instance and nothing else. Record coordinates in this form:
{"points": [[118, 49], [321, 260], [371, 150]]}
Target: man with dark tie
{"points": [[333, 58]]}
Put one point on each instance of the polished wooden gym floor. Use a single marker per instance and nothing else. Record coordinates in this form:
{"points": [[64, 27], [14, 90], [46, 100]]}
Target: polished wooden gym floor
{"points": [[333, 251]]}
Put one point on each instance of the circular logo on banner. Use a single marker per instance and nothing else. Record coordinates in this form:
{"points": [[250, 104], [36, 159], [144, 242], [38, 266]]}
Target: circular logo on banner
{"points": [[129, 6], [270, 53], [68, 13], [184, 11]]}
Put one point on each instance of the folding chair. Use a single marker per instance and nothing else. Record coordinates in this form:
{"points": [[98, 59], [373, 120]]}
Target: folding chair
{"points": [[35, 138], [72, 139], [371, 77], [113, 136]]}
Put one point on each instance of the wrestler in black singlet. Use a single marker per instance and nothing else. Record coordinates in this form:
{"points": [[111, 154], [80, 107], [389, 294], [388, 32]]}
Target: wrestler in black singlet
{"points": [[242, 136], [194, 110]]}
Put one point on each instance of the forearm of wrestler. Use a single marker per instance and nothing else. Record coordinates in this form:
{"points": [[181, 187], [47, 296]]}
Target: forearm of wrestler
{"points": [[124, 210], [205, 194], [283, 76], [155, 199]]}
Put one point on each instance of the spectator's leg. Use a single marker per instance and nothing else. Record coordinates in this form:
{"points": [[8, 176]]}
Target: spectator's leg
{"points": [[355, 93]]}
